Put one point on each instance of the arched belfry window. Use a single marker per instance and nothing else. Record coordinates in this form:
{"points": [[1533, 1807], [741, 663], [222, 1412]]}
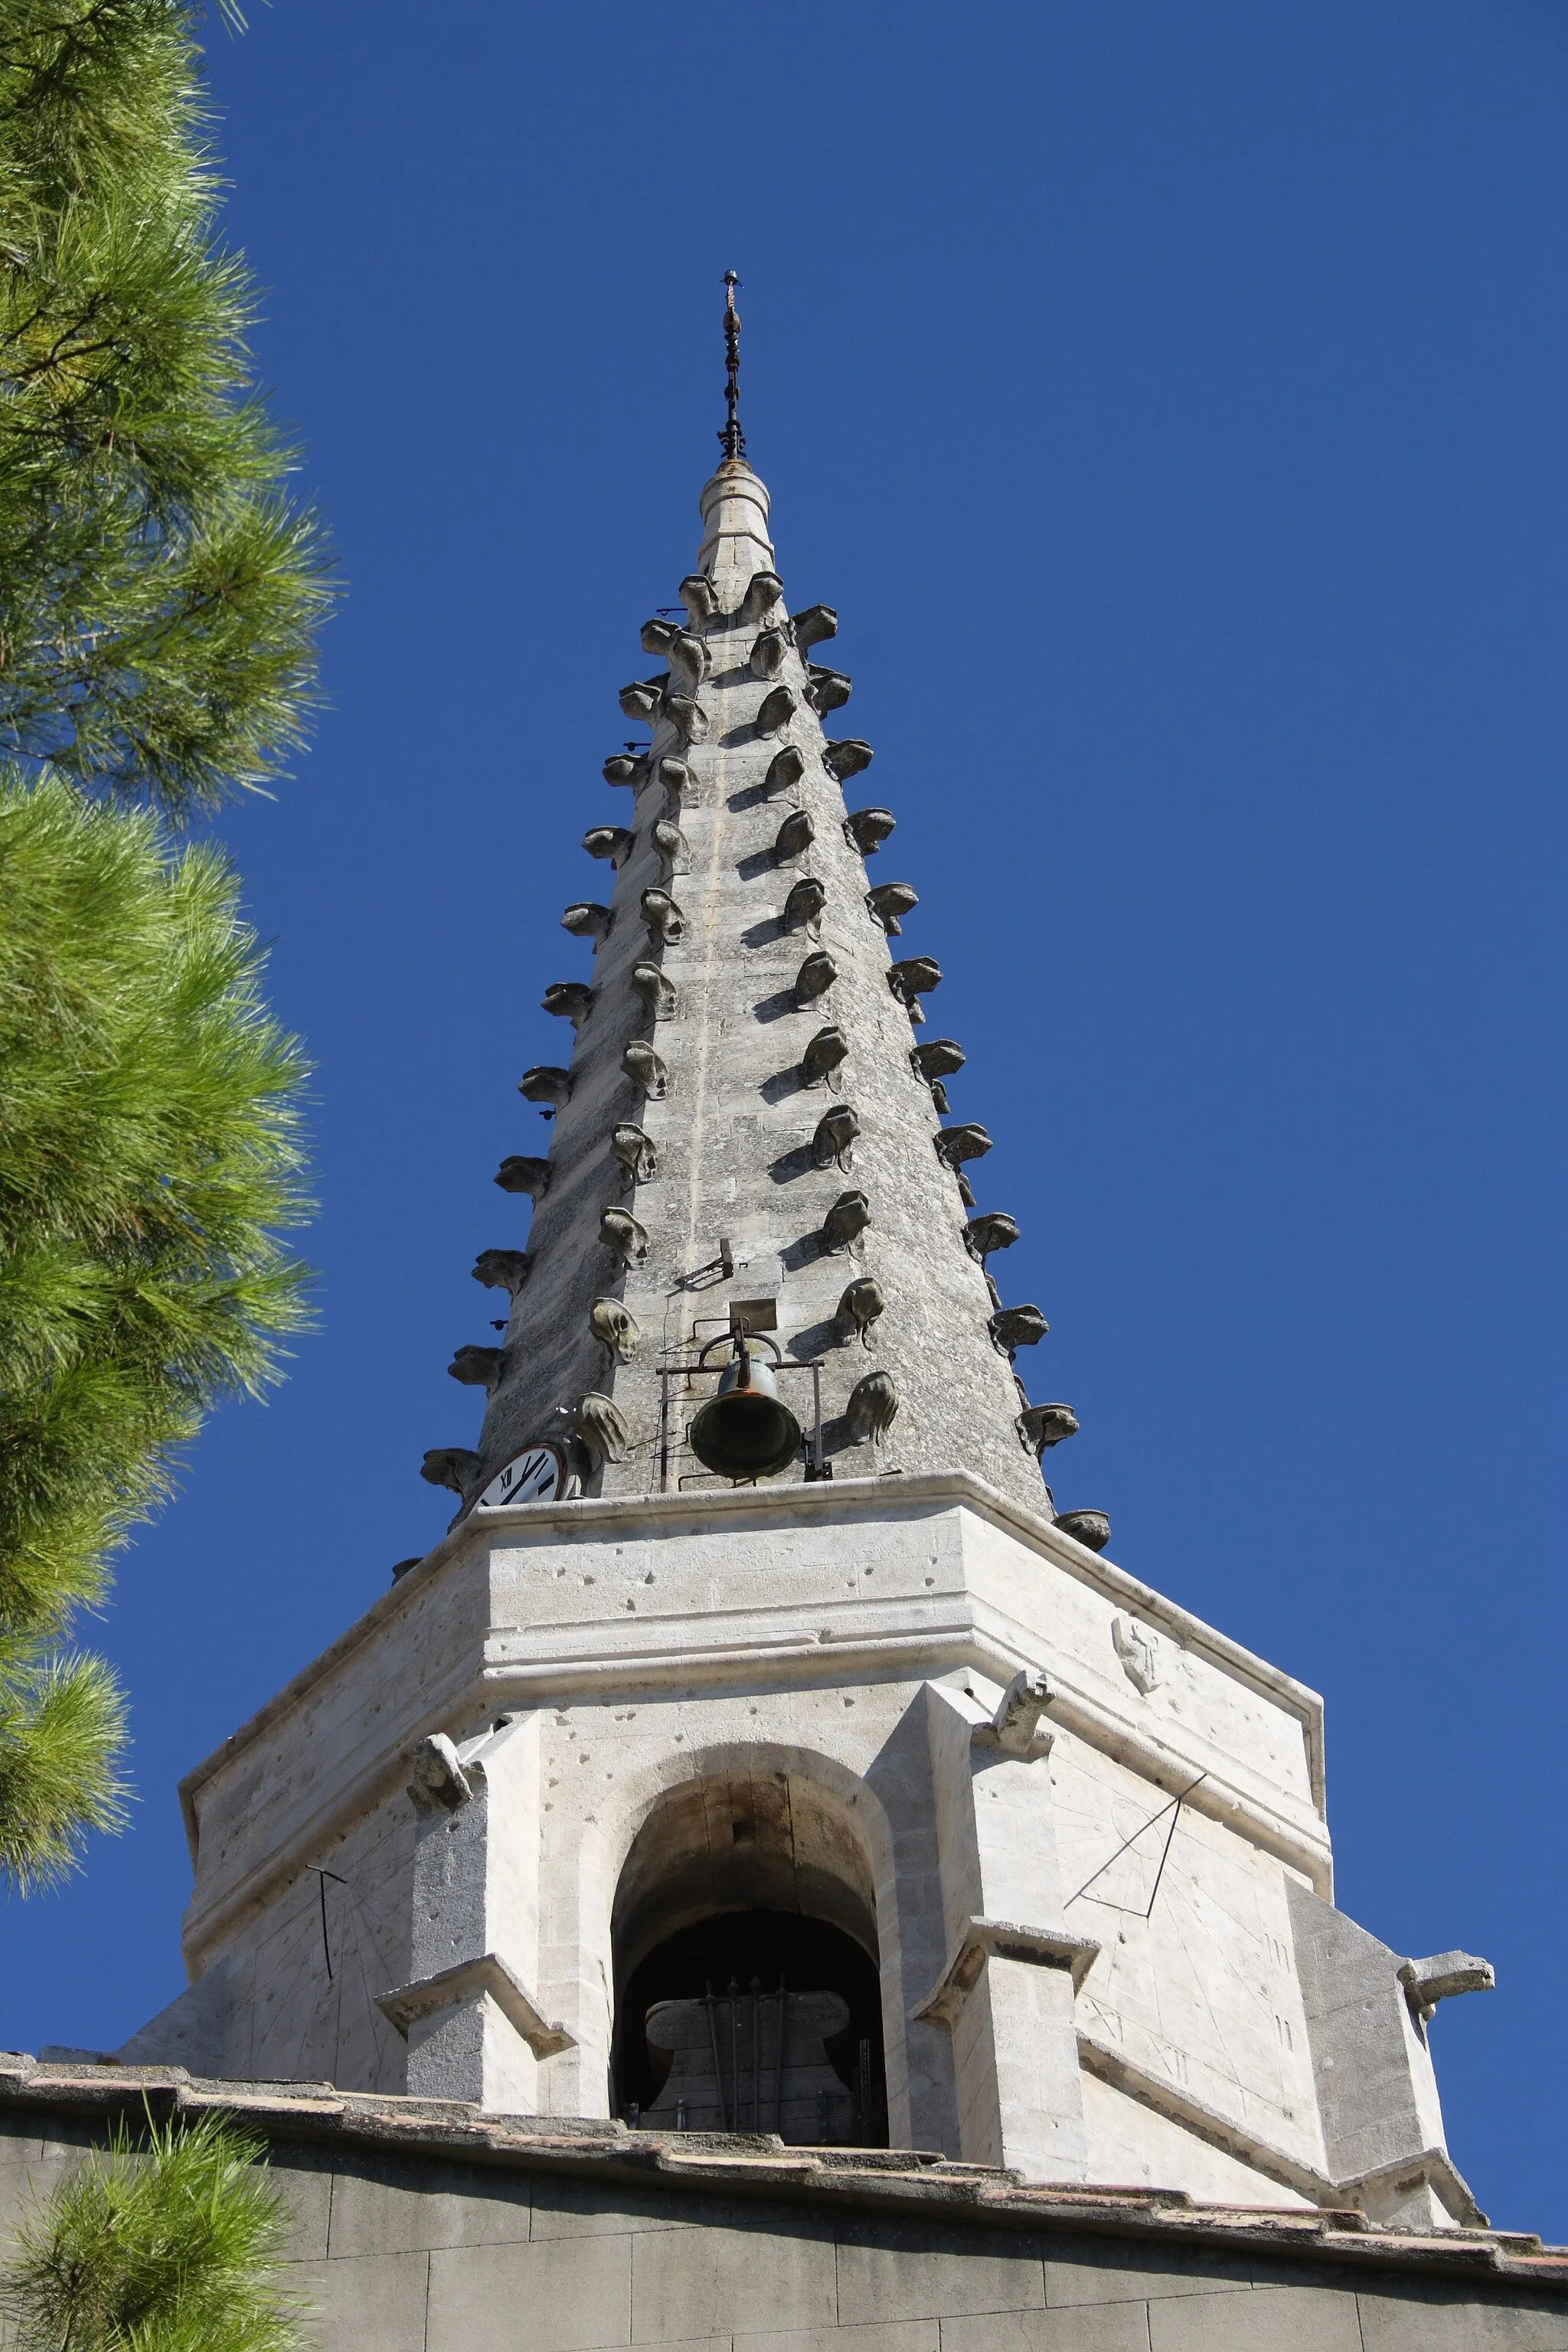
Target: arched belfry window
{"points": [[747, 1989]]}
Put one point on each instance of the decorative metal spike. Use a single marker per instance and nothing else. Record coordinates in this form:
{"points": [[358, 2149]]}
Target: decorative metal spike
{"points": [[731, 439]]}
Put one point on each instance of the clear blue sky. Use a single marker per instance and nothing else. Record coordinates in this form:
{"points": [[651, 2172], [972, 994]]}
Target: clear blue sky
{"points": [[1171, 400]]}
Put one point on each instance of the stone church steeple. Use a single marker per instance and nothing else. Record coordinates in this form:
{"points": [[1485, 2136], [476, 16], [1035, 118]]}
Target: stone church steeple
{"points": [[752, 1126]]}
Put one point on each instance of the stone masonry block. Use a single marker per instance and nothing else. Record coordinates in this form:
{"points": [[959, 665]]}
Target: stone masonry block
{"points": [[1111, 2277], [306, 2182], [376, 2300], [573, 2208], [890, 2335], [563, 2297], [1091, 2327], [428, 2206], [1423, 2320], [1268, 2319], [898, 2274], [708, 2281]]}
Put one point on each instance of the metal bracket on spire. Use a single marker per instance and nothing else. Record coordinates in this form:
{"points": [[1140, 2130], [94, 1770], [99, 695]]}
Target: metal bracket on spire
{"points": [[731, 439]]}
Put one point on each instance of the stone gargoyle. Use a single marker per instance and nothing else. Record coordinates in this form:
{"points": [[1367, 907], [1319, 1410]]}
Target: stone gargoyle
{"points": [[867, 829], [611, 841], [665, 921], [626, 768], [438, 1783], [940, 1057], [625, 1236], [762, 592], [912, 980], [826, 689], [635, 1152], [547, 1084], [794, 836], [803, 908], [688, 717], [701, 599], [785, 770], [775, 711], [521, 1172], [655, 992], [502, 1269], [658, 636], [956, 1144], [689, 661], [453, 1467], [602, 1428], [847, 1220], [676, 777], [646, 1069], [587, 920], [1043, 1425], [769, 653], [815, 978], [833, 1144], [477, 1367], [641, 700], [814, 627], [888, 903], [872, 1409], [847, 759], [1090, 1529], [861, 1303], [994, 1230], [1012, 1328], [823, 1056], [616, 1329], [670, 845], [569, 999]]}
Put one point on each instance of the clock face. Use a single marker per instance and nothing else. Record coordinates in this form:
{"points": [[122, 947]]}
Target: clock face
{"points": [[537, 1476]]}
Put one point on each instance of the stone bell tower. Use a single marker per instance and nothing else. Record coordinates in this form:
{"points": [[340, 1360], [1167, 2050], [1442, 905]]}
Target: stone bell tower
{"points": [[864, 1800]]}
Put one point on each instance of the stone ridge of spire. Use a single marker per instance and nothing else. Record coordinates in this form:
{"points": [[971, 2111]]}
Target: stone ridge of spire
{"points": [[748, 1134]]}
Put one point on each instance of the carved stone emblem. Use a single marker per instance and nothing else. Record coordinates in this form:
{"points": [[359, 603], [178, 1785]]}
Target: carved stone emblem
{"points": [[1139, 1651]]}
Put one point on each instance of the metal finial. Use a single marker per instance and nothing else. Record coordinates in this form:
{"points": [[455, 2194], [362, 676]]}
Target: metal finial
{"points": [[731, 439]]}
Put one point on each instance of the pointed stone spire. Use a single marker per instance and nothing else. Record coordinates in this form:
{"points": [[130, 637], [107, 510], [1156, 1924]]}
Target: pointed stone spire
{"points": [[750, 1131]]}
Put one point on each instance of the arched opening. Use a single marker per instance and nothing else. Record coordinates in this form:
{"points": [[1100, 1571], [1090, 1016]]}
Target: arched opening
{"points": [[747, 1989]]}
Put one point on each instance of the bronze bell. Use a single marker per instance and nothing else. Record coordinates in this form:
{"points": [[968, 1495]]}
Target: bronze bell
{"points": [[745, 1429]]}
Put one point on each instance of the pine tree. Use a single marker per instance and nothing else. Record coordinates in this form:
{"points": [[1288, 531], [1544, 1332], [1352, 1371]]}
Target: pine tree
{"points": [[158, 600], [173, 2245]]}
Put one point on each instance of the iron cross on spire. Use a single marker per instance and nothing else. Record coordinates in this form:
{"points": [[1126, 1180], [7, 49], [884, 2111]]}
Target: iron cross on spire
{"points": [[731, 439]]}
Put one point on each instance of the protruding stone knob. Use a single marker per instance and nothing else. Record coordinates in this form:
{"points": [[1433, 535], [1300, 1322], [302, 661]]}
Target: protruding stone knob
{"points": [[815, 978], [1040, 1425], [872, 1408], [775, 711], [860, 1305], [658, 636], [656, 992], [1012, 1328], [847, 1220], [956, 1144], [689, 719], [868, 828], [477, 1368], [912, 980], [602, 1428], [701, 599], [762, 592], [545, 1083], [1092, 1529], [847, 759], [676, 777], [569, 999], [641, 701], [689, 661], [665, 921], [522, 1174], [454, 1466], [502, 1269], [822, 1054], [670, 844], [611, 841], [646, 1069], [768, 653], [888, 903], [626, 768], [994, 1230], [814, 627], [803, 908], [938, 1057], [587, 920], [622, 1232], [785, 770], [795, 836], [616, 1329], [636, 1153], [832, 1145], [826, 689]]}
